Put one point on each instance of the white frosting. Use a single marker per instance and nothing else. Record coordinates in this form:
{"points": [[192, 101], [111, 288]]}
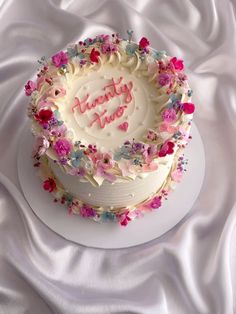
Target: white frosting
{"points": [[118, 194], [139, 114]]}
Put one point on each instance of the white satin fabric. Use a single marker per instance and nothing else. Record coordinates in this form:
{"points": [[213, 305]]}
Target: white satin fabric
{"points": [[189, 270]]}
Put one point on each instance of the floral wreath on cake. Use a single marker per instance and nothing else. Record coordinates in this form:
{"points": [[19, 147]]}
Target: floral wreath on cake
{"points": [[87, 161]]}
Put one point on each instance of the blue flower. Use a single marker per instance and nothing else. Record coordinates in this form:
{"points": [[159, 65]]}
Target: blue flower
{"points": [[123, 152], [158, 55], [131, 48], [76, 157], [108, 216], [72, 52], [190, 92]]}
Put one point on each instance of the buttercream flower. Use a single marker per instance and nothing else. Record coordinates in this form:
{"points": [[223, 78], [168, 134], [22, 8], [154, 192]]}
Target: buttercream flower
{"points": [[62, 147], [94, 54], [29, 88], [60, 58], [41, 146], [44, 116], [49, 185], [164, 79], [188, 107], [177, 175], [143, 43], [155, 202], [108, 48], [177, 63], [169, 115], [87, 211], [166, 149]]}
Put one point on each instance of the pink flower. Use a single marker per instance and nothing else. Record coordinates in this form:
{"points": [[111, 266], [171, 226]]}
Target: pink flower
{"points": [[164, 79], [143, 43], [166, 149], [177, 175], [149, 153], [155, 202], [41, 146], [59, 59], [29, 88], [87, 211], [188, 108], [169, 115], [49, 185], [124, 219], [177, 64], [62, 147], [56, 92], [165, 127], [103, 37], [94, 54], [58, 130], [108, 48], [103, 166], [152, 136], [126, 166]]}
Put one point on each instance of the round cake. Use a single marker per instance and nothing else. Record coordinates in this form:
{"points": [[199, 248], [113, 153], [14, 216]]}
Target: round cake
{"points": [[111, 119]]}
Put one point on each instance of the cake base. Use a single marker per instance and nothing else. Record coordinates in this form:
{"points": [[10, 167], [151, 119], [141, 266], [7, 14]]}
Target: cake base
{"points": [[111, 235]]}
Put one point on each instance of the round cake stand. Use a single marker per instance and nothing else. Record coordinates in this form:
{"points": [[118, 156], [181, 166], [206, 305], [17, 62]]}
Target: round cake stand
{"points": [[111, 235]]}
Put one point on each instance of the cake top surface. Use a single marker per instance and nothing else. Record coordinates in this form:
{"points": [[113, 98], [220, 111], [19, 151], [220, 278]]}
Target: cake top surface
{"points": [[109, 108]]}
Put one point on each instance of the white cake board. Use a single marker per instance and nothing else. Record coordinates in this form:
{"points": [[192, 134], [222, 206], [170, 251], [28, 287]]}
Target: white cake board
{"points": [[112, 235]]}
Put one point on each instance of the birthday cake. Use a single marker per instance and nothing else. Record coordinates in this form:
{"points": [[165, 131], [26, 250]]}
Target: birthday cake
{"points": [[111, 119]]}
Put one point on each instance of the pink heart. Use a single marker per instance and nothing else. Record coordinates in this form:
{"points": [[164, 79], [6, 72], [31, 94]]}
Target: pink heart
{"points": [[123, 126]]}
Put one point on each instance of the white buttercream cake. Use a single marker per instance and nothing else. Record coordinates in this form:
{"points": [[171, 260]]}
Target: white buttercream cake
{"points": [[111, 119]]}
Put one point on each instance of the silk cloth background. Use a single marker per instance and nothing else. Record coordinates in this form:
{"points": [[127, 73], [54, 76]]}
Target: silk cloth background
{"points": [[192, 268]]}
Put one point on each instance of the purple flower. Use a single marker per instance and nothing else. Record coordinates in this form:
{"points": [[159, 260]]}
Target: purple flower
{"points": [[108, 48], [59, 59], [86, 211], [169, 115], [164, 79], [156, 202], [62, 147], [29, 88]]}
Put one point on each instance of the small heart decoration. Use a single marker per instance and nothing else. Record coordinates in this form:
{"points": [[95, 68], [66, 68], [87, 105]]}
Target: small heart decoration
{"points": [[124, 126]]}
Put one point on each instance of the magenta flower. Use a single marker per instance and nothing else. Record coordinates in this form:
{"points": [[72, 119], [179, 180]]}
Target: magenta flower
{"points": [[177, 64], [169, 115], [29, 88], [59, 59], [87, 211], [62, 147], [156, 202], [164, 79]]}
